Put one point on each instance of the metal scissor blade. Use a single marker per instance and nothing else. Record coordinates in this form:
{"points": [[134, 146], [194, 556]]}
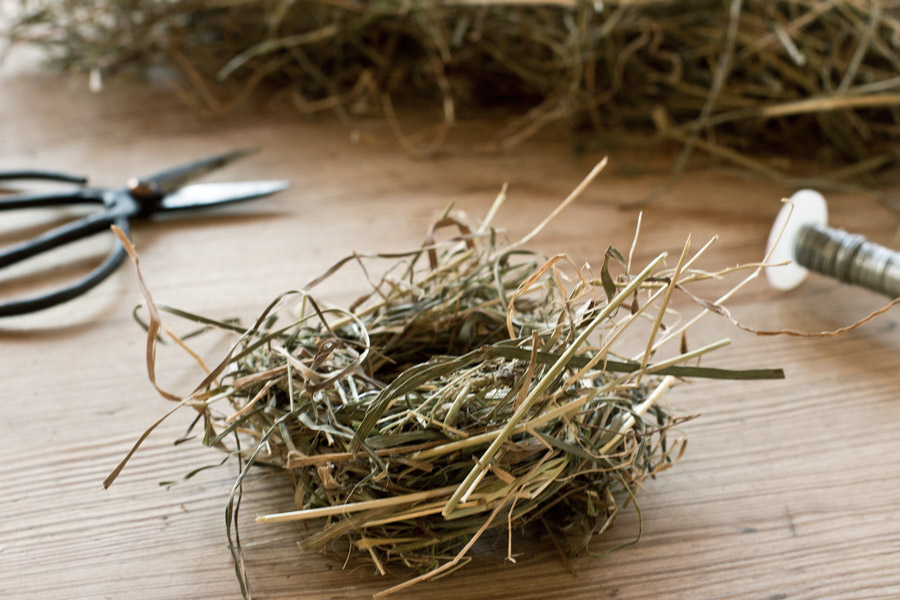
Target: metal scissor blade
{"points": [[170, 180], [201, 195]]}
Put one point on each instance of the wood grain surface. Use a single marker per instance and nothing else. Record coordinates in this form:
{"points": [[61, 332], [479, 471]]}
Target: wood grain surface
{"points": [[789, 489]]}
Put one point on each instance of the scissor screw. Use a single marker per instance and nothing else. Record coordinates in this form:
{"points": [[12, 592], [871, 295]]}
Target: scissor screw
{"points": [[142, 190]]}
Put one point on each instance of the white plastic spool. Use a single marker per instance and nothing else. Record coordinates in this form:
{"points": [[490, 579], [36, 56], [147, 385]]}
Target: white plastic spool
{"points": [[806, 207]]}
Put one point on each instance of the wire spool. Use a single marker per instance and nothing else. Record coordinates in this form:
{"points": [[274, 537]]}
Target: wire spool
{"points": [[800, 234]]}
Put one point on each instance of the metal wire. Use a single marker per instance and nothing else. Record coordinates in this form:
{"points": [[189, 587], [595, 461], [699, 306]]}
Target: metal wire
{"points": [[849, 258]]}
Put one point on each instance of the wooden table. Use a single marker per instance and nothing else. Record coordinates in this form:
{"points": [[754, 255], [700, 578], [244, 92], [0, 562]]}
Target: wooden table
{"points": [[789, 489]]}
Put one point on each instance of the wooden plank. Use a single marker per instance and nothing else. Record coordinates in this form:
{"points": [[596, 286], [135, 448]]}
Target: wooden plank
{"points": [[788, 489]]}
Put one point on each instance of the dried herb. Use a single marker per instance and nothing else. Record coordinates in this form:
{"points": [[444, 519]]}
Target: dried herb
{"points": [[477, 385], [724, 77]]}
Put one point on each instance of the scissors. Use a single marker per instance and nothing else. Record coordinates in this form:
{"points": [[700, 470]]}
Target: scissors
{"points": [[140, 198]]}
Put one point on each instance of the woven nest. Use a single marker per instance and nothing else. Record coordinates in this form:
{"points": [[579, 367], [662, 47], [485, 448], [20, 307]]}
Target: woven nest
{"points": [[478, 386], [729, 78]]}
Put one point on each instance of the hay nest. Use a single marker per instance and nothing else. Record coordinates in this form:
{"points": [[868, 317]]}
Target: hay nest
{"points": [[816, 78], [478, 386]]}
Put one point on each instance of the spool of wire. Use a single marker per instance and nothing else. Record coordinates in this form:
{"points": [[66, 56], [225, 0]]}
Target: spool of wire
{"points": [[810, 245]]}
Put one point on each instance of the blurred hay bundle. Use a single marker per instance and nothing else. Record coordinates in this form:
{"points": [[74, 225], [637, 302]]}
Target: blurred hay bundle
{"points": [[819, 77]]}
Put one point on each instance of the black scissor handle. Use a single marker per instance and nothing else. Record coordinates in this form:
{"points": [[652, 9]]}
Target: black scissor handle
{"points": [[43, 175], [58, 236], [36, 303], [45, 199]]}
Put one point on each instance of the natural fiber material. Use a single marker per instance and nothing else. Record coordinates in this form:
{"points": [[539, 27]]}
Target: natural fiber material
{"points": [[818, 78], [477, 386]]}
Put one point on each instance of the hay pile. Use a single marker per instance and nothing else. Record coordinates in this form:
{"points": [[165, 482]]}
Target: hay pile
{"points": [[478, 386], [814, 77]]}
